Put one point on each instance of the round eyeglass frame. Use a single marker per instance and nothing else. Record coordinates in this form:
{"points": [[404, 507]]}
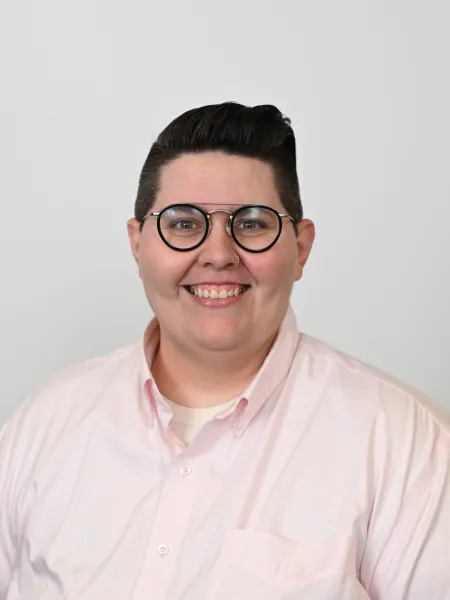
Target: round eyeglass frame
{"points": [[229, 226]]}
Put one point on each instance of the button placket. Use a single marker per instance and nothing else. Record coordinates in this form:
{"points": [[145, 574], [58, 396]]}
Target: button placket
{"points": [[186, 470], [163, 549], [177, 497]]}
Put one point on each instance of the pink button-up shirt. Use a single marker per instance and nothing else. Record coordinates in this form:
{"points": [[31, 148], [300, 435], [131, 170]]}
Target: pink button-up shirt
{"points": [[328, 480]]}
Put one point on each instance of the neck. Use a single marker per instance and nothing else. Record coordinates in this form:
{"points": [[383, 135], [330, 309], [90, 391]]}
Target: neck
{"points": [[197, 379]]}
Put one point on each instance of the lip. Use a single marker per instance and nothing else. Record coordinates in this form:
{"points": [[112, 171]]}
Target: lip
{"points": [[216, 283]]}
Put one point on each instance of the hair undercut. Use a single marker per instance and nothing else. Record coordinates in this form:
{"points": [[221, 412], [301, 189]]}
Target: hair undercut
{"points": [[260, 132]]}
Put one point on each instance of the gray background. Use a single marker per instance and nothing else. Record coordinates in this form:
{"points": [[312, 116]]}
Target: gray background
{"points": [[86, 87]]}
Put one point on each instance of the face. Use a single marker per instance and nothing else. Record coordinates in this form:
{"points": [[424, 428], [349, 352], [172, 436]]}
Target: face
{"points": [[218, 181]]}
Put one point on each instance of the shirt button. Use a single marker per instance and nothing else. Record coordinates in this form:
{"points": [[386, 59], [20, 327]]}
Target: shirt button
{"points": [[186, 470], [163, 549]]}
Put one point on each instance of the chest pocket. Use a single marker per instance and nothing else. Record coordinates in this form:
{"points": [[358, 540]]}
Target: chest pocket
{"points": [[268, 567]]}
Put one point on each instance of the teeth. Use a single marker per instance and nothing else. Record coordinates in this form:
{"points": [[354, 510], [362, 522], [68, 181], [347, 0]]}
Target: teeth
{"points": [[216, 294]]}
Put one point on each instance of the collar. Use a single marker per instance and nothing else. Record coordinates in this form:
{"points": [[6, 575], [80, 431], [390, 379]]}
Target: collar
{"points": [[270, 375]]}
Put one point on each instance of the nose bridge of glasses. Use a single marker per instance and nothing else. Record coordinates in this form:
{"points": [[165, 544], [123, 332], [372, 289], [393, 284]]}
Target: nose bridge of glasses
{"points": [[227, 222]]}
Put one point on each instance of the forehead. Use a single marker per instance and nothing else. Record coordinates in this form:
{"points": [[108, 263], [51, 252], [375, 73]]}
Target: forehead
{"points": [[214, 178]]}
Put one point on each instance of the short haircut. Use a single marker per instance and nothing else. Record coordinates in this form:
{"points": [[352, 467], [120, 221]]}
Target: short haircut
{"points": [[260, 132]]}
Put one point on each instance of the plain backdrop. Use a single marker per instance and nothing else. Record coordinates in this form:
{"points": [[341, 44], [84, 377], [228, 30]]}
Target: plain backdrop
{"points": [[86, 87]]}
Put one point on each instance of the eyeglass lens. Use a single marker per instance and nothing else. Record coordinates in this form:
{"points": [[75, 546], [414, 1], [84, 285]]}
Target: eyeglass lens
{"points": [[184, 227]]}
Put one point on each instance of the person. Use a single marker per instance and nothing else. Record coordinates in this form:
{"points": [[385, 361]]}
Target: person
{"points": [[228, 455]]}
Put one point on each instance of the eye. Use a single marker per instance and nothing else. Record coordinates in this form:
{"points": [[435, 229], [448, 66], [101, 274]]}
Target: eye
{"points": [[184, 224], [250, 224]]}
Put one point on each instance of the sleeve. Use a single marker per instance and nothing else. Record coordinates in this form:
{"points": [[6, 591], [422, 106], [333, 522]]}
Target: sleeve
{"points": [[18, 446], [407, 554], [7, 526]]}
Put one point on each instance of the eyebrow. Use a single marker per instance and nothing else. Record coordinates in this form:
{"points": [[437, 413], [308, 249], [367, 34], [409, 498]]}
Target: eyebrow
{"points": [[186, 208], [204, 204], [218, 204]]}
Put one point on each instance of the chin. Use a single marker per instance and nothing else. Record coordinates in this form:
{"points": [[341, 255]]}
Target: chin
{"points": [[218, 341]]}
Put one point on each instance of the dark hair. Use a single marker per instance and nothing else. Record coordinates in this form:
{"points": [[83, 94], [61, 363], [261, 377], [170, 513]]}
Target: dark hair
{"points": [[261, 132]]}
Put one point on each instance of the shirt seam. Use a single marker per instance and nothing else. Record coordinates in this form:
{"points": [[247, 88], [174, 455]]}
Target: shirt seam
{"points": [[389, 384], [416, 498]]}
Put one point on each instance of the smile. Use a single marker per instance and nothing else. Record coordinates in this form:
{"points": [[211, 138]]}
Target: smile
{"points": [[222, 292]]}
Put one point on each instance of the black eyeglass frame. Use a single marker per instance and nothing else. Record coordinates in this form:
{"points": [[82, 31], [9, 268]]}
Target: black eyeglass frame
{"points": [[228, 227]]}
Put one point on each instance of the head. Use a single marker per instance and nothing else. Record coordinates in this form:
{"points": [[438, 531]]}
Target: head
{"points": [[221, 157]]}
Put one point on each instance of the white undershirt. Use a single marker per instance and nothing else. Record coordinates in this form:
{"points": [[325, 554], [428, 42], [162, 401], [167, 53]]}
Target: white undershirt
{"points": [[186, 422]]}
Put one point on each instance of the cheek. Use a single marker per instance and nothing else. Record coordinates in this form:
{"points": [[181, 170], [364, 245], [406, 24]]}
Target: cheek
{"points": [[160, 270], [273, 268]]}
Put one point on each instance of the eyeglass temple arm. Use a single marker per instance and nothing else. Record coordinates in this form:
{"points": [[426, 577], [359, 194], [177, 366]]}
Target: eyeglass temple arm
{"points": [[288, 216], [151, 214]]}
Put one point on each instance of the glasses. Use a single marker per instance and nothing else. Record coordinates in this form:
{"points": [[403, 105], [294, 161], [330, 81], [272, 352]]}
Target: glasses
{"points": [[254, 227]]}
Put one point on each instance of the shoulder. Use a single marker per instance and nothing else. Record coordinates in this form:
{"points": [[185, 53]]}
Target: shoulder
{"points": [[358, 387], [62, 402], [81, 382], [380, 427]]}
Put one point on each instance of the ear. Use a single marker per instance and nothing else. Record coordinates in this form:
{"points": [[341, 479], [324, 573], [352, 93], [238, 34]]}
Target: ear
{"points": [[134, 235], [305, 240]]}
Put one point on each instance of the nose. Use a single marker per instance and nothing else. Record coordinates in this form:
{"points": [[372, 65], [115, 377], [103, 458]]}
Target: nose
{"points": [[218, 250]]}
